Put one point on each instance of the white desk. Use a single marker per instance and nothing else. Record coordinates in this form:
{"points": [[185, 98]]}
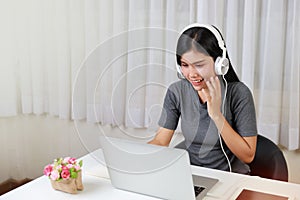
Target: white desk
{"points": [[228, 187]]}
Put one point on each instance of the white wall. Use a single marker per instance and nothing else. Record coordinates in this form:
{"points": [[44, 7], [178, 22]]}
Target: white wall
{"points": [[293, 162], [29, 142]]}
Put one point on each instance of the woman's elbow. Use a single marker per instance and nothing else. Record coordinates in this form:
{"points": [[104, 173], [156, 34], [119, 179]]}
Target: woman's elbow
{"points": [[250, 157], [249, 152]]}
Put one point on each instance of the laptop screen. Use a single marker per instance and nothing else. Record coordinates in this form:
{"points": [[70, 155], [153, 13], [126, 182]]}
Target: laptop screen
{"points": [[148, 169]]}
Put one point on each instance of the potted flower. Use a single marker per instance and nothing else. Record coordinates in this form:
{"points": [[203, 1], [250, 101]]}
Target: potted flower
{"points": [[65, 174]]}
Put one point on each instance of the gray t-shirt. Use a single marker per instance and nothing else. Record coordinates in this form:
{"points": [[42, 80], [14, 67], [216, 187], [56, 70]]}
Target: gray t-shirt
{"points": [[200, 133]]}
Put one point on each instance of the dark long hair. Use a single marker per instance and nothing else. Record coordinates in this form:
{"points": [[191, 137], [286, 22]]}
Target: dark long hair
{"points": [[204, 41]]}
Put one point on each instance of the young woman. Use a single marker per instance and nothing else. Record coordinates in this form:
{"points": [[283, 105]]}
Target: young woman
{"points": [[217, 112]]}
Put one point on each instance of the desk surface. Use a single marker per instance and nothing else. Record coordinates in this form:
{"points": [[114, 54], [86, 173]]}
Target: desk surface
{"points": [[96, 187]]}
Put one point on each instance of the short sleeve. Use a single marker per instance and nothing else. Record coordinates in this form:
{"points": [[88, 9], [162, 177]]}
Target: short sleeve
{"points": [[171, 111], [243, 108]]}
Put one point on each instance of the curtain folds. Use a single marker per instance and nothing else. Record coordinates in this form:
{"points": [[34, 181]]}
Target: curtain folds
{"points": [[111, 61]]}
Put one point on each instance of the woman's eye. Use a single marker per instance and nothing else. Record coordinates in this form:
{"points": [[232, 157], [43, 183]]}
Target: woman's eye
{"points": [[183, 65]]}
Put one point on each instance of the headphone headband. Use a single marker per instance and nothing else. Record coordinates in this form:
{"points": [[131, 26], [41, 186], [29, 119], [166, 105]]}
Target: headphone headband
{"points": [[211, 29]]}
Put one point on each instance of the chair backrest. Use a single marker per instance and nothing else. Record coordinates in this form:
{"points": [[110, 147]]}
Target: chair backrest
{"points": [[269, 161]]}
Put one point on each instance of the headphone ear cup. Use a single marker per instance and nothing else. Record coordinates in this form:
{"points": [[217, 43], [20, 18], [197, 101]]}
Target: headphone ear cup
{"points": [[221, 66]]}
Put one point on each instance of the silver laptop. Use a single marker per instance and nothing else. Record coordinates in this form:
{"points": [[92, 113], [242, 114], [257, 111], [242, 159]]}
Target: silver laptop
{"points": [[152, 170]]}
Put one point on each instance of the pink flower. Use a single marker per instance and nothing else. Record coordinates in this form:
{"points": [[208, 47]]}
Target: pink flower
{"points": [[69, 166], [47, 170], [64, 168], [58, 167], [77, 167], [66, 159], [72, 161], [54, 175], [65, 174]]}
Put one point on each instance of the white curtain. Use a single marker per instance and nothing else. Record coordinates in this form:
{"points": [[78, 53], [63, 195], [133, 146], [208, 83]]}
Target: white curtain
{"points": [[111, 61]]}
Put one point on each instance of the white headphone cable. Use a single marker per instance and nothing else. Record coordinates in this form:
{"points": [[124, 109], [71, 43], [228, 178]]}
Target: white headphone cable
{"points": [[219, 134]]}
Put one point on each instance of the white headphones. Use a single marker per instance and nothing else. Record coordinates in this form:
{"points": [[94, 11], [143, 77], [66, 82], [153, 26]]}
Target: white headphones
{"points": [[221, 63]]}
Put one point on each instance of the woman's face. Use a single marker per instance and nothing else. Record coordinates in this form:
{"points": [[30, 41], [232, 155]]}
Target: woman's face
{"points": [[197, 68]]}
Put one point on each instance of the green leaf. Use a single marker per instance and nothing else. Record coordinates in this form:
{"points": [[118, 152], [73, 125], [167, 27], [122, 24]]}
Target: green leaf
{"points": [[58, 162], [80, 163], [73, 174]]}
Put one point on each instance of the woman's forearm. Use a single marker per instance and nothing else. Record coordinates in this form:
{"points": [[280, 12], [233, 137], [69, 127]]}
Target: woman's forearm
{"points": [[242, 147]]}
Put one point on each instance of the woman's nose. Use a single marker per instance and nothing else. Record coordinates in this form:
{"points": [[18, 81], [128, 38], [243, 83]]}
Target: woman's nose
{"points": [[193, 71]]}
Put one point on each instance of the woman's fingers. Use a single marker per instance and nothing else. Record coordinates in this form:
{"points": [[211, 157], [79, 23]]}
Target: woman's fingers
{"points": [[210, 87], [213, 96], [213, 86], [215, 83], [213, 89], [207, 94]]}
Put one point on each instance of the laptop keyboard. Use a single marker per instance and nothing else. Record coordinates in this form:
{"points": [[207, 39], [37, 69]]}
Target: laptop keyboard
{"points": [[198, 190]]}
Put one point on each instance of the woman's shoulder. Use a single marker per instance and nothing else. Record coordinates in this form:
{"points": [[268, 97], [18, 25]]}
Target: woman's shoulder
{"points": [[239, 89], [238, 86], [178, 85]]}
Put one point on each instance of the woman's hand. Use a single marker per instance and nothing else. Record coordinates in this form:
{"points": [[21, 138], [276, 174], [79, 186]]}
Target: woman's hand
{"points": [[213, 96]]}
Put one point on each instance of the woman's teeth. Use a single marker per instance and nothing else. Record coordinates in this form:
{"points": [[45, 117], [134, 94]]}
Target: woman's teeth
{"points": [[197, 81]]}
